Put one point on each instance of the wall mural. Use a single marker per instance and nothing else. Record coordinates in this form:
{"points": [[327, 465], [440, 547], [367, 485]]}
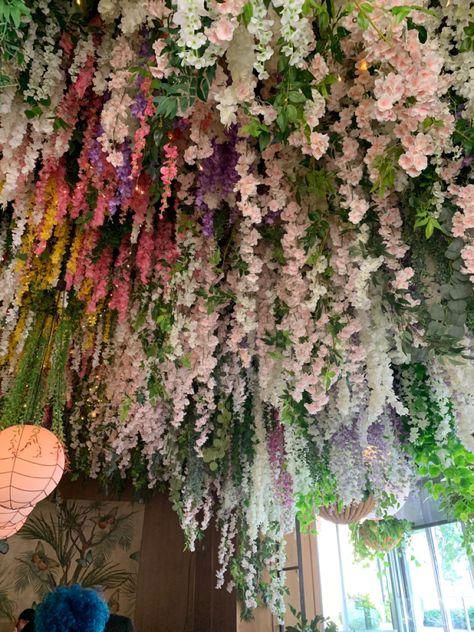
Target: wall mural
{"points": [[67, 542]]}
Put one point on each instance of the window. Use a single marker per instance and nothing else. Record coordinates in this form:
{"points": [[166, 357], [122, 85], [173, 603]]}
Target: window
{"points": [[427, 588], [441, 587], [356, 596]]}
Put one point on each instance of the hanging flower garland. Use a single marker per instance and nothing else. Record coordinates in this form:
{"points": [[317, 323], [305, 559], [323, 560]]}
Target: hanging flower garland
{"points": [[262, 216]]}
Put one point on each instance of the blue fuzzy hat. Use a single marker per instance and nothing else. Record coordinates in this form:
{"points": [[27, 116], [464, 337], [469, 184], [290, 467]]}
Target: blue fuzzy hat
{"points": [[71, 609]]}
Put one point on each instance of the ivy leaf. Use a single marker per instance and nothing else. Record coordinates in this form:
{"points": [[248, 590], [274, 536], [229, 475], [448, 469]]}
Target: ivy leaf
{"points": [[264, 140], [282, 121], [362, 21], [203, 89], [422, 33], [292, 113], [400, 13], [296, 97], [15, 14], [167, 106], [247, 13], [33, 112], [59, 123]]}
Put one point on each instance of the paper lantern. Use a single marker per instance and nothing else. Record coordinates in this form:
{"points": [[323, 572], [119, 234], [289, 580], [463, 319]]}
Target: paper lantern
{"points": [[11, 517], [31, 465], [7, 532]]}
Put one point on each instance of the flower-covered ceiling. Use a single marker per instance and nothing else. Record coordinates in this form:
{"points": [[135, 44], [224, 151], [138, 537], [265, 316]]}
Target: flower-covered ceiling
{"points": [[237, 255]]}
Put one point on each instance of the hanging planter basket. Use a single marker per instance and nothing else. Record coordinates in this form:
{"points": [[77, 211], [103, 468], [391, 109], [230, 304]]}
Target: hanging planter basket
{"points": [[354, 512], [372, 539], [388, 542]]}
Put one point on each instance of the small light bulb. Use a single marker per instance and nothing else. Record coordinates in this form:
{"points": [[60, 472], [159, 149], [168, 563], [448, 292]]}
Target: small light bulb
{"points": [[339, 78], [78, 2], [363, 65]]}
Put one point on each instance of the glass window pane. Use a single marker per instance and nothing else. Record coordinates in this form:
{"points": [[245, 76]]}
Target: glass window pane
{"points": [[423, 591], [455, 575], [356, 596]]}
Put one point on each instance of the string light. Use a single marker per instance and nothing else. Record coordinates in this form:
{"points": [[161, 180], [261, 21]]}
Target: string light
{"points": [[363, 65]]}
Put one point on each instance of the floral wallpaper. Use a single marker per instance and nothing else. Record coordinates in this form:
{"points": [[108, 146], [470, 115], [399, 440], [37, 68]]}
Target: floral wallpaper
{"points": [[95, 544]]}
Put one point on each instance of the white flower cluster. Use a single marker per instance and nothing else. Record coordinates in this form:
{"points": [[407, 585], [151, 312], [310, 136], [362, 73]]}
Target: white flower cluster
{"points": [[192, 39], [461, 380], [296, 31], [375, 337], [295, 448], [46, 79], [457, 14], [260, 26], [260, 512], [442, 396], [133, 14], [84, 48]]}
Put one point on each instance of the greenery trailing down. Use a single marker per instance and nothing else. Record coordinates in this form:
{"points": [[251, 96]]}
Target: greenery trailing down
{"points": [[25, 400], [372, 539], [442, 461], [38, 394], [12, 15]]}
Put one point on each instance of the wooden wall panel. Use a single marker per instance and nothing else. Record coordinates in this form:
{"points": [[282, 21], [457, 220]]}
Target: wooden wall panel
{"points": [[165, 580], [214, 609], [176, 589]]}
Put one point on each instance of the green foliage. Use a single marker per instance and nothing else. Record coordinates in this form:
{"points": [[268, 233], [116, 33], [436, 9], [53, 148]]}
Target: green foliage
{"points": [[257, 555], [39, 385], [446, 466], [464, 135], [449, 539], [386, 165], [315, 625], [468, 43], [220, 441], [8, 608], [427, 220], [362, 613], [182, 92], [434, 618], [323, 489], [12, 14], [372, 539]]}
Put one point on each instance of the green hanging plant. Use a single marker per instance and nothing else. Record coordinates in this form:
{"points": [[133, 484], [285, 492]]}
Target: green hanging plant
{"points": [[372, 539], [38, 390], [315, 625]]}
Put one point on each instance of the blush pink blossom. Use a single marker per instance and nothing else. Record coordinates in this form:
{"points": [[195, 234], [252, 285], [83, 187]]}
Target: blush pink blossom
{"points": [[318, 68], [221, 31], [359, 208], [319, 144], [402, 278]]}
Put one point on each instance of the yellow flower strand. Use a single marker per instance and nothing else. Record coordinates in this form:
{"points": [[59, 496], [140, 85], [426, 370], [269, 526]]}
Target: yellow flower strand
{"points": [[74, 253], [61, 232], [50, 212]]}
